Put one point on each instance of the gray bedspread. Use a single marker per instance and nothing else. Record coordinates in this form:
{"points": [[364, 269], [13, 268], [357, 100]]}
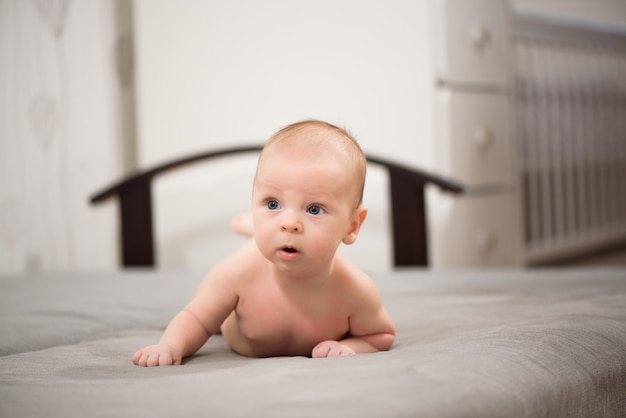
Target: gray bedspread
{"points": [[470, 344]]}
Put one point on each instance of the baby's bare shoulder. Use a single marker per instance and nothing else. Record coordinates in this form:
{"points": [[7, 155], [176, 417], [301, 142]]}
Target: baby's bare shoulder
{"points": [[237, 268], [355, 280]]}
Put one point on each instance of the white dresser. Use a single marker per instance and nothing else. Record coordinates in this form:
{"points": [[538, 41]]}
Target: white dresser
{"points": [[473, 137]]}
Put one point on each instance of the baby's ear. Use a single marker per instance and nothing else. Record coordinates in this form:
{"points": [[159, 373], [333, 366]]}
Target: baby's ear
{"points": [[358, 217]]}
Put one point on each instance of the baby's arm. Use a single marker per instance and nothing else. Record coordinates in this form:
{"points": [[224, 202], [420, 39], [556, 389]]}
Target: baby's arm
{"points": [[371, 328], [214, 300], [370, 343], [183, 336]]}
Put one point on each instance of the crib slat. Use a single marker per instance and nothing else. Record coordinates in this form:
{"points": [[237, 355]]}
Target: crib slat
{"points": [[547, 192], [569, 151]]}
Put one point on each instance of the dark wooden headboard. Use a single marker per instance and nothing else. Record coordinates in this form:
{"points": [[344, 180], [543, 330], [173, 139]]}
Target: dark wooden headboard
{"points": [[408, 209]]}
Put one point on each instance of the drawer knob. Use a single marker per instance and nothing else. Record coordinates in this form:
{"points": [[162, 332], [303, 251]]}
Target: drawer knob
{"points": [[483, 138], [480, 36]]}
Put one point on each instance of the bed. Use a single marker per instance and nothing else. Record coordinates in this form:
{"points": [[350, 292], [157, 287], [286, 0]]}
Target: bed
{"points": [[536, 343]]}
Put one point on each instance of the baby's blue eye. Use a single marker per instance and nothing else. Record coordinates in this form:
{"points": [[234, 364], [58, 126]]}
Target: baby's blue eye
{"points": [[272, 205], [315, 210]]}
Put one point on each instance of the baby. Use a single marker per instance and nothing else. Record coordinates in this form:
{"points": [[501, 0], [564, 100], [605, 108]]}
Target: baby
{"points": [[291, 294]]}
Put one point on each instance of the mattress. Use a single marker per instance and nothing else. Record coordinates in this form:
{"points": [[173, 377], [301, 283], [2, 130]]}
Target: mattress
{"points": [[536, 343]]}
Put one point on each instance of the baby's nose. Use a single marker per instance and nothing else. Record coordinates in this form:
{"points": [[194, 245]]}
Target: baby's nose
{"points": [[290, 223]]}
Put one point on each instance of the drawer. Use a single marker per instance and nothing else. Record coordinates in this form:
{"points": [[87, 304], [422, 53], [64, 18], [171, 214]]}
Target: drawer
{"points": [[473, 143], [471, 40], [474, 231]]}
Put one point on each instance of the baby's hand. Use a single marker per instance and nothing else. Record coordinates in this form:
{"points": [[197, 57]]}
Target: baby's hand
{"points": [[331, 348], [156, 355]]}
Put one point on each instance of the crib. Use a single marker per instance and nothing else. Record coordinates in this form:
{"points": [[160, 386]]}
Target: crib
{"points": [[570, 110], [530, 111]]}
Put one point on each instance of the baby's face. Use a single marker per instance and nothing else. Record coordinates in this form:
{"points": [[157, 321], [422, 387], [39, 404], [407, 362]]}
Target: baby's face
{"points": [[302, 207]]}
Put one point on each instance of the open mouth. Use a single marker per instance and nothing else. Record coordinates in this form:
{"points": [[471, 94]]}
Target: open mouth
{"points": [[290, 250]]}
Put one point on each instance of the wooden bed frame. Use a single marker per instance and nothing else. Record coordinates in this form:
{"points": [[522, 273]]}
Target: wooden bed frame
{"points": [[408, 212]]}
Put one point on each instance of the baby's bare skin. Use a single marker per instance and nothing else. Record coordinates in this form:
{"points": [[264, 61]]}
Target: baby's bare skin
{"points": [[274, 318], [259, 328], [280, 318], [289, 293]]}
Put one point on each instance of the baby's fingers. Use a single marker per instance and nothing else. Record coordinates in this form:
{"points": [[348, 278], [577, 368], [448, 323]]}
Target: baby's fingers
{"points": [[141, 358], [339, 350], [153, 359], [137, 357], [150, 358], [165, 359], [320, 350], [331, 349]]}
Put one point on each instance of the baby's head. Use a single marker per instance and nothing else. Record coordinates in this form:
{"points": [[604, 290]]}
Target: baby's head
{"points": [[307, 193], [322, 142]]}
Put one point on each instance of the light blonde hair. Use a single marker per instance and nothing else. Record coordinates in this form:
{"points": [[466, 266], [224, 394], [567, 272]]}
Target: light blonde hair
{"points": [[316, 136]]}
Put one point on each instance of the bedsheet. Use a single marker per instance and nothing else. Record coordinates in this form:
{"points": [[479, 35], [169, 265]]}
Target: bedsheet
{"points": [[543, 343]]}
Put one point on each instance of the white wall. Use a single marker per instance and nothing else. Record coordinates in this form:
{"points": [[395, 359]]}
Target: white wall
{"points": [[211, 73], [216, 73], [59, 133]]}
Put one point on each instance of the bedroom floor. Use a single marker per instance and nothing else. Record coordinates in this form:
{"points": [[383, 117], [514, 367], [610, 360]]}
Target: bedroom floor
{"points": [[611, 258]]}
